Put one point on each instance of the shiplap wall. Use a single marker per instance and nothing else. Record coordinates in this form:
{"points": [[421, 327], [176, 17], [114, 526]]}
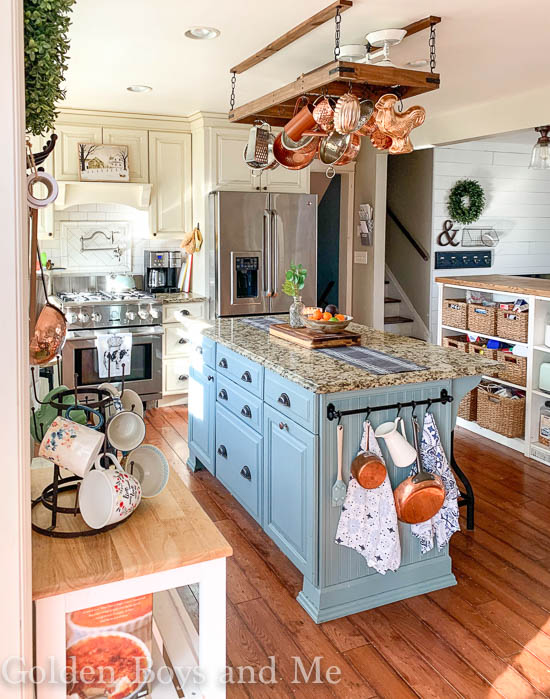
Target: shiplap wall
{"points": [[518, 206]]}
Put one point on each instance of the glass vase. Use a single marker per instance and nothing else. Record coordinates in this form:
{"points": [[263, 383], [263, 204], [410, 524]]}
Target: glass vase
{"points": [[296, 310]]}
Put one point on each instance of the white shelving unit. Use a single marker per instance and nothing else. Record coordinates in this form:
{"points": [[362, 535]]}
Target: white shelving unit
{"points": [[537, 353]]}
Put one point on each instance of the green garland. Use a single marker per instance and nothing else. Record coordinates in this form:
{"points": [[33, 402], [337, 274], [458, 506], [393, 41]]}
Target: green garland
{"points": [[466, 212], [46, 47]]}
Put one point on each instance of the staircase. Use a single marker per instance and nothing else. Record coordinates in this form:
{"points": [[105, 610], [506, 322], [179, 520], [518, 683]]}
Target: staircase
{"points": [[399, 316]]}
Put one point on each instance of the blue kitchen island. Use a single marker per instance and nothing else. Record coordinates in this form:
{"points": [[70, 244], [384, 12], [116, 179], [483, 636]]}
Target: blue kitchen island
{"points": [[262, 421]]}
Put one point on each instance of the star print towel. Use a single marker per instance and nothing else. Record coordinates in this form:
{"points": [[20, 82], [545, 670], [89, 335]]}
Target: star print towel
{"points": [[368, 523], [445, 523]]}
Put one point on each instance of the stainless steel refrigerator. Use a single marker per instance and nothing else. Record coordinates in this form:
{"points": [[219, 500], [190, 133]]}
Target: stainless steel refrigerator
{"points": [[257, 236]]}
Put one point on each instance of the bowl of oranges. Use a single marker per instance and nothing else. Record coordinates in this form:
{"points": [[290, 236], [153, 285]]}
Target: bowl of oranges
{"points": [[327, 321]]}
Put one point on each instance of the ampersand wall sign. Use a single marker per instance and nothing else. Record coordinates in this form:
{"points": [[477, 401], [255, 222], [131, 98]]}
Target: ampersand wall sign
{"points": [[448, 235]]}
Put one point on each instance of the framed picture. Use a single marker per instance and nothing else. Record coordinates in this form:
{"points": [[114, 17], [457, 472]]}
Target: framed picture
{"points": [[101, 163]]}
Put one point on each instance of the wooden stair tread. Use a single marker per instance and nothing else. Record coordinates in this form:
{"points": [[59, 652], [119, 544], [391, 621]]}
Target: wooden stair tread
{"points": [[389, 299], [391, 320]]}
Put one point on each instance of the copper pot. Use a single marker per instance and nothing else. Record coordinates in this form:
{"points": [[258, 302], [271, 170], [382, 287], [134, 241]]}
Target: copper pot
{"points": [[323, 113], [339, 149], [294, 159], [347, 114], [369, 470], [301, 121], [49, 335], [418, 498]]}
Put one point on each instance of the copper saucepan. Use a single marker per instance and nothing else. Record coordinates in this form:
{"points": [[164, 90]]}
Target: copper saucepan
{"points": [[419, 497], [368, 469], [338, 149], [294, 159]]}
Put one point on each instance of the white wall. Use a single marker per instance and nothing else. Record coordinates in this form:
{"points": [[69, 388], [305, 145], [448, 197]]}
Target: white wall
{"points": [[518, 205]]}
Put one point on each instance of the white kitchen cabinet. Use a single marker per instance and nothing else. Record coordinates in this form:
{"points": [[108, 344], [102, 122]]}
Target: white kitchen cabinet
{"points": [[180, 322], [176, 376], [137, 141], [283, 180], [170, 175], [67, 164]]}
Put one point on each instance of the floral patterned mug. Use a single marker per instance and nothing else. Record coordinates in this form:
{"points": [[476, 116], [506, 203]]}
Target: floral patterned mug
{"points": [[71, 445], [108, 495]]}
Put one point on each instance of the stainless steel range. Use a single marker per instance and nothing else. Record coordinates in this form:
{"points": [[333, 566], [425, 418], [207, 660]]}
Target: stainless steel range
{"points": [[90, 313]]}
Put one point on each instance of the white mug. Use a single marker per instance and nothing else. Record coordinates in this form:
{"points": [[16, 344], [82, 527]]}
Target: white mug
{"points": [[126, 429], [109, 495], [402, 453], [71, 445]]}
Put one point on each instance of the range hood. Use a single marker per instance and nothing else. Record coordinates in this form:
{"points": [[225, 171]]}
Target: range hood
{"points": [[135, 194]]}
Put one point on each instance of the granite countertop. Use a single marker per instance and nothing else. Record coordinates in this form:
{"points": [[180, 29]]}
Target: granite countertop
{"points": [[180, 297], [321, 374]]}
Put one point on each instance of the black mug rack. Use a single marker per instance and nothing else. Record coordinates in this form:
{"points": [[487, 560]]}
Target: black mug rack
{"points": [[466, 498], [95, 399]]}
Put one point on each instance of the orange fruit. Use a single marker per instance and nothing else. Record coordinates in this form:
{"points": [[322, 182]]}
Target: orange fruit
{"points": [[316, 315], [327, 316], [339, 316]]}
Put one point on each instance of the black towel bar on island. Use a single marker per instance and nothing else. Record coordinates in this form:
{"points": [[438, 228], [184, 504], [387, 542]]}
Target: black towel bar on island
{"points": [[466, 493]]}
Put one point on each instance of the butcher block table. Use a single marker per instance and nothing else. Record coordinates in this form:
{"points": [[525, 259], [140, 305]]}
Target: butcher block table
{"points": [[168, 542]]}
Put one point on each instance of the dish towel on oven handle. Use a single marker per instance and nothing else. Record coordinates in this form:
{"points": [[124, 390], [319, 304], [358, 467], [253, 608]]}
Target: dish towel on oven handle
{"points": [[117, 347], [368, 522], [445, 523]]}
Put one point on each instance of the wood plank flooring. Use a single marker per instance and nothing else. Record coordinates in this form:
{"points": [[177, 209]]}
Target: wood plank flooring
{"points": [[487, 637]]}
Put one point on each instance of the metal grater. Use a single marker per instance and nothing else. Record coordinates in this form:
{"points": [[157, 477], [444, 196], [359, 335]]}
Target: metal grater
{"points": [[258, 146]]}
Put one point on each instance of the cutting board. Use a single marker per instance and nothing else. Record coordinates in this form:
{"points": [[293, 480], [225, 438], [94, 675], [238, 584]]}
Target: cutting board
{"points": [[314, 339]]}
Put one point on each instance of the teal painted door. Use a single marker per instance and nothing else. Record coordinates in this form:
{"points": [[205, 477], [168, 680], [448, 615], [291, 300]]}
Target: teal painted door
{"points": [[290, 485], [202, 407]]}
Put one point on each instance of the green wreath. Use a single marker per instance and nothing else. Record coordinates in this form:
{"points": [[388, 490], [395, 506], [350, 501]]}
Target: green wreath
{"points": [[470, 211]]}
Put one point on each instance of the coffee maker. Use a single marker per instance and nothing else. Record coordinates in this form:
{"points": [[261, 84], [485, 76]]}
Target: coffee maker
{"points": [[162, 271]]}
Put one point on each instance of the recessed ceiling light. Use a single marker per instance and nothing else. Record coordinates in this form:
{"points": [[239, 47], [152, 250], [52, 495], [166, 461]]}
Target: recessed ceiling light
{"points": [[419, 63], [139, 88], [202, 33]]}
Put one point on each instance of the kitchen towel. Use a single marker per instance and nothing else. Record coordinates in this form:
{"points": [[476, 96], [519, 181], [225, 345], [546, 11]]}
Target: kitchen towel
{"points": [[372, 360], [116, 347], [368, 522], [263, 323], [445, 523]]}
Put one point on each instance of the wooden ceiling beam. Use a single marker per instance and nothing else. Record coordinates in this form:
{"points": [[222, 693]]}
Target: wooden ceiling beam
{"points": [[295, 33]]}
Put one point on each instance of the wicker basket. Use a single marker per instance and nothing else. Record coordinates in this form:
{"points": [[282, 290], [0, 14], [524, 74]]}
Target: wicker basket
{"points": [[459, 342], [503, 415], [454, 313], [516, 368], [511, 325], [467, 409], [482, 319], [482, 351]]}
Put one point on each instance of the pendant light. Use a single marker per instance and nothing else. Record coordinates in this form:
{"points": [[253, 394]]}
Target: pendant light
{"points": [[540, 158]]}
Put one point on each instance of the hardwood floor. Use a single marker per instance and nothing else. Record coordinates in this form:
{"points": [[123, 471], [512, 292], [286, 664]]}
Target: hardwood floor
{"points": [[487, 637]]}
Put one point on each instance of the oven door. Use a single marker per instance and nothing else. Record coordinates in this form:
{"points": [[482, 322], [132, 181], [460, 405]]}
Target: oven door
{"points": [[80, 360]]}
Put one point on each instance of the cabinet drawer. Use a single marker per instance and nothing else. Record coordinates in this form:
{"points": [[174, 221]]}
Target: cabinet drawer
{"points": [[205, 348], [175, 375], [239, 461], [240, 402], [291, 400], [244, 372], [178, 312], [176, 342]]}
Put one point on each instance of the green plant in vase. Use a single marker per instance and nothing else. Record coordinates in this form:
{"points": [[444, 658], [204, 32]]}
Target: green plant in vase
{"points": [[295, 279]]}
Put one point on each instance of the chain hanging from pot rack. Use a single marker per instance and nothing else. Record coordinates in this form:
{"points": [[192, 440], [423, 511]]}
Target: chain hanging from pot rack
{"points": [[337, 22], [232, 97], [431, 44]]}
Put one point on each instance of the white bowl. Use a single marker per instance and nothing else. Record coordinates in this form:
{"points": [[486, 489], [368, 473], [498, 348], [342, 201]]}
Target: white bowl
{"points": [[150, 468]]}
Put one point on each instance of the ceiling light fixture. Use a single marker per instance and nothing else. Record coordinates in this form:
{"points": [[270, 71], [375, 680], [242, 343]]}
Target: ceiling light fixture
{"points": [[540, 157], [139, 88], [202, 33]]}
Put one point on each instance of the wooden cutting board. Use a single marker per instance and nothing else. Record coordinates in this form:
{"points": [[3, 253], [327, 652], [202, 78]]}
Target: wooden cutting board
{"points": [[314, 339]]}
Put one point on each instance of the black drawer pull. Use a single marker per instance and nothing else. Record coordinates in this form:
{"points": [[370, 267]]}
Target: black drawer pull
{"points": [[211, 378], [245, 473], [222, 394], [246, 377], [198, 349], [182, 377], [283, 426], [185, 312], [283, 399], [182, 341], [222, 451], [246, 411], [223, 363]]}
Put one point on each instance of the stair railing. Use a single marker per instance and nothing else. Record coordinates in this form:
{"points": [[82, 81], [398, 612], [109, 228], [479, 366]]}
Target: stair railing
{"points": [[408, 235]]}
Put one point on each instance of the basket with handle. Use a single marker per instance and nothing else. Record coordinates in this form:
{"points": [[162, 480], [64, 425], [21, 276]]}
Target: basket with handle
{"points": [[501, 414], [512, 325], [454, 313], [458, 342], [482, 319], [515, 370]]}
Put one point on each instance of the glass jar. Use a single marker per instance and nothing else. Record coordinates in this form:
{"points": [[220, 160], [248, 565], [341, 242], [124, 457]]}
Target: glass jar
{"points": [[296, 309], [544, 424]]}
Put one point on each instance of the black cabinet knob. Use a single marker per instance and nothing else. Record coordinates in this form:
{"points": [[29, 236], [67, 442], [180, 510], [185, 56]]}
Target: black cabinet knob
{"points": [[185, 312], [223, 363], [198, 349], [245, 473], [182, 377], [222, 451], [283, 399], [283, 426], [222, 394], [246, 412], [182, 341], [211, 378], [246, 377]]}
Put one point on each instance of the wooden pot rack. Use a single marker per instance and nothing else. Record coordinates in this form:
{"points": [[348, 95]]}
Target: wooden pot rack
{"points": [[334, 78]]}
